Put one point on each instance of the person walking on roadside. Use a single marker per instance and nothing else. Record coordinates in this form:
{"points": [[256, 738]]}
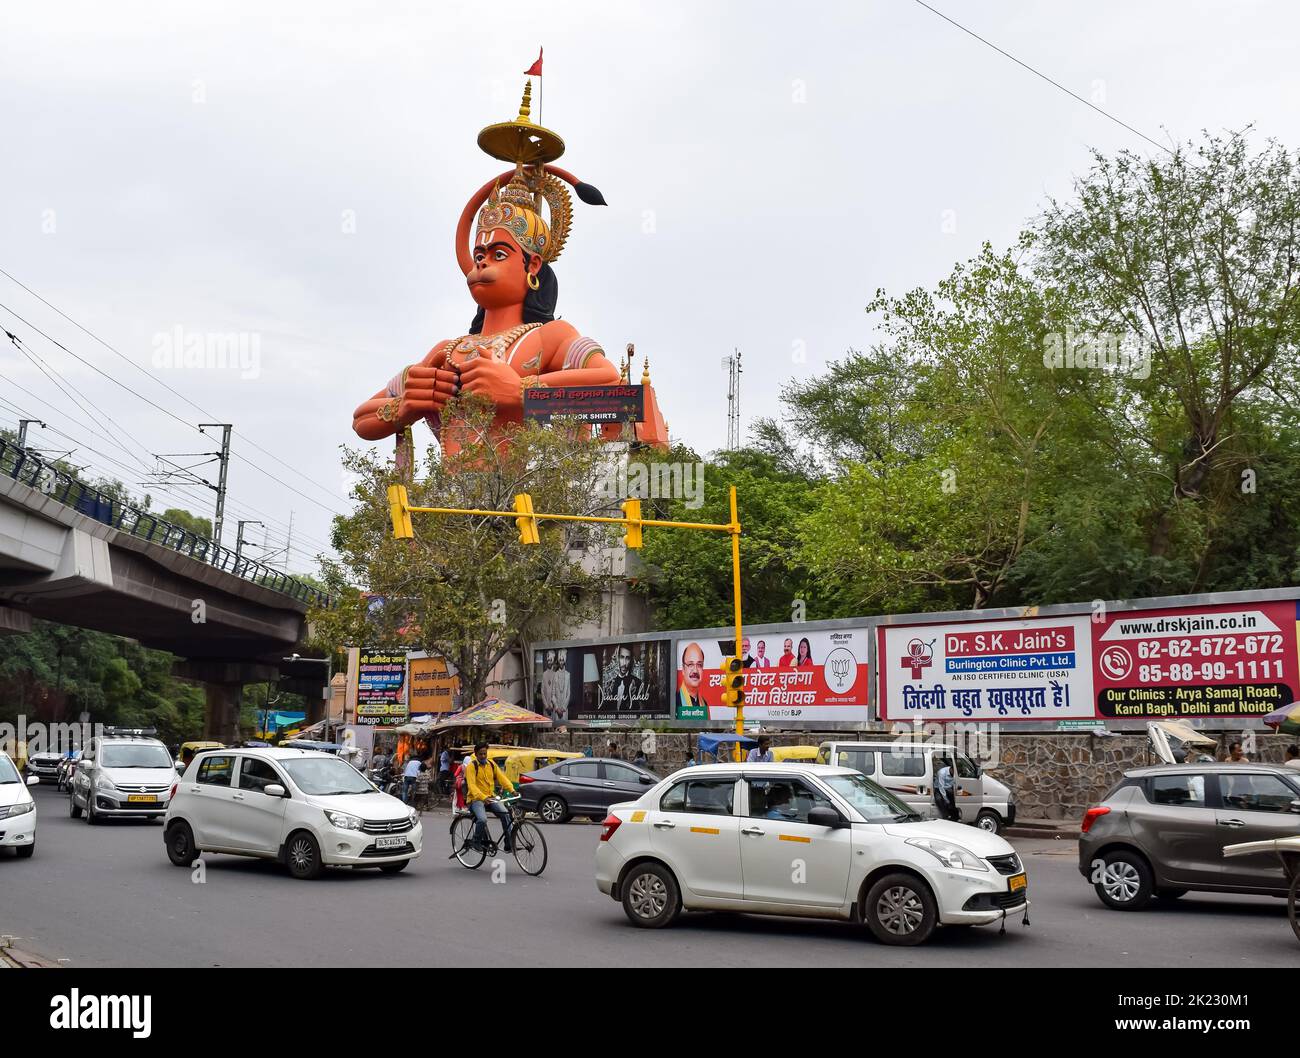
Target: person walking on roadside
{"points": [[444, 771], [1236, 756], [410, 776], [945, 791], [1292, 757], [762, 753]]}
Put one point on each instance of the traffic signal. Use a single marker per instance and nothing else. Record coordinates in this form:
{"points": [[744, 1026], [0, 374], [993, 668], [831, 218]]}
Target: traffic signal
{"points": [[632, 516], [526, 522], [399, 506], [733, 683]]}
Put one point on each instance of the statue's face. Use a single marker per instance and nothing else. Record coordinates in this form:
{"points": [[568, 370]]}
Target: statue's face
{"points": [[498, 278]]}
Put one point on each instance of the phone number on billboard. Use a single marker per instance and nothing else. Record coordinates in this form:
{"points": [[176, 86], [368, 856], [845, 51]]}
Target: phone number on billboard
{"points": [[1210, 646], [1210, 671]]}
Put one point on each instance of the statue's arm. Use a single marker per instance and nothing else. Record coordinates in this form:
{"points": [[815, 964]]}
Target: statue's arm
{"points": [[574, 360], [428, 387]]}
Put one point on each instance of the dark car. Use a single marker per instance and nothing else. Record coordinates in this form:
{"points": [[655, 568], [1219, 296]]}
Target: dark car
{"points": [[1160, 832], [585, 787]]}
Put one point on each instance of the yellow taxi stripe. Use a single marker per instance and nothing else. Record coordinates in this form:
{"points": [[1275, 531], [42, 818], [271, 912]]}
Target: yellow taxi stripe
{"points": [[637, 817], [795, 837], [705, 830]]}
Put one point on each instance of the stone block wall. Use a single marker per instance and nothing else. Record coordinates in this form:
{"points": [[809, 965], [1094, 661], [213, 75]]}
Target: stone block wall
{"points": [[1053, 775]]}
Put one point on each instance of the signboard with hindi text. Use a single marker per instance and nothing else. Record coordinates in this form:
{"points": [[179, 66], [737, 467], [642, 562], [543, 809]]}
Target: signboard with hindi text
{"points": [[621, 403], [434, 688], [381, 688]]}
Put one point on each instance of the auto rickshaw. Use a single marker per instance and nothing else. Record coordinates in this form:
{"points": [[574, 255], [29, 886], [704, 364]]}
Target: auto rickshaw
{"points": [[187, 750], [795, 754]]}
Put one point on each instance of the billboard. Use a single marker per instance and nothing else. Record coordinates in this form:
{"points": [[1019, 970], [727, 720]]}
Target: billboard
{"points": [[381, 688], [619, 403], [1031, 669], [794, 676], [1197, 662], [434, 688], [608, 682]]}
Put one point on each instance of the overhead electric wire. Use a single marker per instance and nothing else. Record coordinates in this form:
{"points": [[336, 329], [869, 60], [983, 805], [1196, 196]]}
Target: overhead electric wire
{"points": [[161, 382], [1039, 73]]}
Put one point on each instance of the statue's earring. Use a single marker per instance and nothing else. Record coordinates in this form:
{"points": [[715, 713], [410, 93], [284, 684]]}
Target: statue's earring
{"points": [[533, 282]]}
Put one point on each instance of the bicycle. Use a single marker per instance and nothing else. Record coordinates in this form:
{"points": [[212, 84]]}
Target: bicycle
{"points": [[529, 843]]}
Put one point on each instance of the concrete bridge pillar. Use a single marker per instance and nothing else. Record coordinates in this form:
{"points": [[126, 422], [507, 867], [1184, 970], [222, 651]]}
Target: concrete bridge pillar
{"points": [[222, 681]]}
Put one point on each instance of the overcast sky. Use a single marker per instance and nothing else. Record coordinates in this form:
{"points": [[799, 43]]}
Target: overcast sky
{"points": [[294, 171]]}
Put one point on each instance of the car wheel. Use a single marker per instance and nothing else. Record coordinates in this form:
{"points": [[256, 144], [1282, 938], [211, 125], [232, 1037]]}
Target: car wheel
{"points": [[990, 821], [1125, 882], [394, 868], [900, 910], [180, 845], [91, 817], [1170, 894], [302, 856], [73, 810], [553, 810], [650, 897], [1293, 906], [25, 851]]}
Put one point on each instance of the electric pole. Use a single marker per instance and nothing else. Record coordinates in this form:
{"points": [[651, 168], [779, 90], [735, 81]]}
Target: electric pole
{"points": [[239, 538], [22, 430], [224, 456]]}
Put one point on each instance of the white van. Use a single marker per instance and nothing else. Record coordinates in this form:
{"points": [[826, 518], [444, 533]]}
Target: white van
{"points": [[906, 769]]}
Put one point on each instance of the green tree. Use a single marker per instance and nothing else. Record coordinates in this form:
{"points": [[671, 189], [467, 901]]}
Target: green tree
{"points": [[465, 587]]}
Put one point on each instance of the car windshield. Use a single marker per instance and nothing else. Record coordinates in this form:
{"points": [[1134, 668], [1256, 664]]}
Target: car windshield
{"points": [[8, 773], [326, 776], [874, 802], [138, 756]]}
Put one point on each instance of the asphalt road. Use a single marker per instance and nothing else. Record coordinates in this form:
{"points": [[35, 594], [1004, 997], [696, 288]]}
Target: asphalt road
{"points": [[108, 896]]}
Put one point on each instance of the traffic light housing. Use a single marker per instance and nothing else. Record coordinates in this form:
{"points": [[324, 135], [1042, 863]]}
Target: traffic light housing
{"points": [[632, 519], [399, 507], [526, 522], [733, 683]]}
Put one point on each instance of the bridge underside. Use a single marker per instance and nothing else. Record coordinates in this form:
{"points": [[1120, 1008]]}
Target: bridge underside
{"points": [[59, 565]]}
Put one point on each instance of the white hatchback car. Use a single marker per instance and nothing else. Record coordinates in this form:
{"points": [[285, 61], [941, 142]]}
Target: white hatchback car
{"points": [[17, 809], [804, 840], [309, 810]]}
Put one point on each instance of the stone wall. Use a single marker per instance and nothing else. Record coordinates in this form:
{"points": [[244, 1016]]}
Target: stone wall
{"points": [[1053, 775]]}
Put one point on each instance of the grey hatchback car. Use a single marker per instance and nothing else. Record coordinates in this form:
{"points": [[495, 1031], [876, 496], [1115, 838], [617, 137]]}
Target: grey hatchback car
{"points": [[1160, 832]]}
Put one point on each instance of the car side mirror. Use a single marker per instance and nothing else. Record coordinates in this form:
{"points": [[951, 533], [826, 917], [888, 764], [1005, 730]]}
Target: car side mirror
{"points": [[825, 817], [35, 780], [180, 767], [1295, 806], [275, 790], [647, 781]]}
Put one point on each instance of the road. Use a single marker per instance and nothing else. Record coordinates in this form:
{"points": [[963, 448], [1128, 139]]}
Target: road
{"points": [[108, 896]]}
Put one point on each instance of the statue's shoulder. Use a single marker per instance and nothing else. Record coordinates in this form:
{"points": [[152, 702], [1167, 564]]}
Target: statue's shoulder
{"points": [[557, 333]]}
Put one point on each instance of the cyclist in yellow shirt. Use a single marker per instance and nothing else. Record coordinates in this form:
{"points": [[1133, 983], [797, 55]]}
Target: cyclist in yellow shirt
{"points": [[482, 776]]}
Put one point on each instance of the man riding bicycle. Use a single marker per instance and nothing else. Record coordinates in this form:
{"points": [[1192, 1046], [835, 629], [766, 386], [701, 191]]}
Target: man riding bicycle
{"points": [[482, 776]]}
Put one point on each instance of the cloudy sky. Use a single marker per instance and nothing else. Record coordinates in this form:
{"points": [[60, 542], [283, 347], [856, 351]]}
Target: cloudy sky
{"points": [[292, 172]]}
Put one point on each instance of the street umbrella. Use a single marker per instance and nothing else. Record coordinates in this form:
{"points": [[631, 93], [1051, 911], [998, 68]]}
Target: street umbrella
{"points": [[1286, 720]]}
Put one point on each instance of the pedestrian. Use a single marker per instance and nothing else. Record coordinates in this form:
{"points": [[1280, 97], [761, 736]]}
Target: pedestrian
{"points": [[762, 753], [640, 759], [1236, 756], [410, 776], [690, 760], [613, 750], [1292, 757], [945, 795], [444, 771]]}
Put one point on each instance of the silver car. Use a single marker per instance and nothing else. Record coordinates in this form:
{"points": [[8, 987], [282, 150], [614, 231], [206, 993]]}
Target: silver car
{"points": [[1160, 832], [122, 775]]}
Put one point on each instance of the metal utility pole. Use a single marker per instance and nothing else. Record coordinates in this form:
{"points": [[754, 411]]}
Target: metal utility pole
{"points": [[22, 430], [224, 456], [733, 399], [239, 537]]}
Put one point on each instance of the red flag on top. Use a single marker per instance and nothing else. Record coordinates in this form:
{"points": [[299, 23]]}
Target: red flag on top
{"points": [[536, 69]]}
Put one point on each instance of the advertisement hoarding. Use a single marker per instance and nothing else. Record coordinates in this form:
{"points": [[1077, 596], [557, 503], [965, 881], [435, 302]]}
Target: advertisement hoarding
{"points": [[381, 688], [793, 677], [1202, 662], [1031, 669], [604, 683], [434, 688]]}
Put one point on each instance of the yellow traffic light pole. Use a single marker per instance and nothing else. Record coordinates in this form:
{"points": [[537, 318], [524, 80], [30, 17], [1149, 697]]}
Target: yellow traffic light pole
{"points": [[526, 519]]}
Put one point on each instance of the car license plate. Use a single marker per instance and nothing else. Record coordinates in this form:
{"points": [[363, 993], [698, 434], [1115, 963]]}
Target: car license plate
{"points": [[1017, 882], [146, 798], [394, 842]]}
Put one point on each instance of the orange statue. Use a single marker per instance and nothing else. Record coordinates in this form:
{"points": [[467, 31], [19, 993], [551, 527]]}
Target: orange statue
{"points": [[515, 341]]}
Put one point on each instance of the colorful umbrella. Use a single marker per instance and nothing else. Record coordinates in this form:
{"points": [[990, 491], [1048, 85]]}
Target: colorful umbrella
{"points": [[1286, 720]]}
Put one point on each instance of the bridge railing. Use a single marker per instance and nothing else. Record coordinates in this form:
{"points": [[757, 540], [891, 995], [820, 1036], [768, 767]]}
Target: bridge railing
{"points": [[26, 467]]}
